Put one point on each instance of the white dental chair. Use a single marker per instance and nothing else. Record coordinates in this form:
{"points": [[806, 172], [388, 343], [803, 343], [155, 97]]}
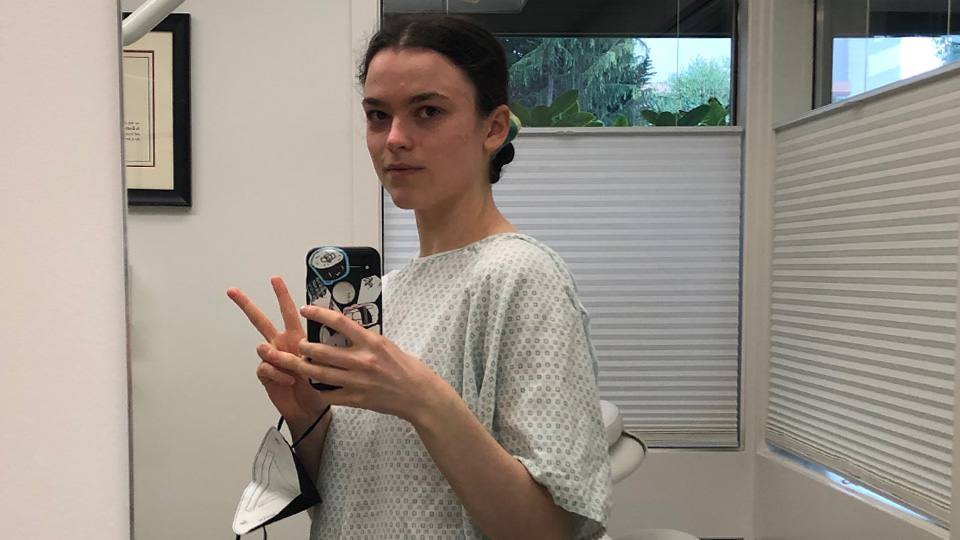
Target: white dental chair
{"points": [[626, 454]]}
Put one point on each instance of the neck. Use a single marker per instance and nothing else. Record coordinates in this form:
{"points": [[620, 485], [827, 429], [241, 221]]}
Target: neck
{"points": [[460, 223]]}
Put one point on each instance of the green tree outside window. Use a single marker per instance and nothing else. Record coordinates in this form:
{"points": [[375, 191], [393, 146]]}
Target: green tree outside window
{"points": [[609, 80], [948, 48]]}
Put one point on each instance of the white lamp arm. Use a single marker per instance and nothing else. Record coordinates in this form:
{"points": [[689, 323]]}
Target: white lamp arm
{"points": [[146, 18]]}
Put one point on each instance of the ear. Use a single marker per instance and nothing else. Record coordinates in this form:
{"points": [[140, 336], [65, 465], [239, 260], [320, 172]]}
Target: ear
{"points": [[497, 126]]}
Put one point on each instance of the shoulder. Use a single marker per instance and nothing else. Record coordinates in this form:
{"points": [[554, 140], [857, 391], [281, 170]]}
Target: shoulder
{"points": [[388, 277], [511, 258]]}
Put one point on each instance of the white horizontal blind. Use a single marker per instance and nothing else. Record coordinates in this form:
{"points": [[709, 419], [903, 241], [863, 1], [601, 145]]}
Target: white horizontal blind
{"points": [[649, 223], [864, 309]]}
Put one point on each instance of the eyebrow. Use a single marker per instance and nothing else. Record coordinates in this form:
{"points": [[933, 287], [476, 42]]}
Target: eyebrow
{"points": [[419, 98]]}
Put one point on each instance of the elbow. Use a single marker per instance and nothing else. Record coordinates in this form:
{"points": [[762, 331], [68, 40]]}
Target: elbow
{"points": [[562, 525], [558, 525]]}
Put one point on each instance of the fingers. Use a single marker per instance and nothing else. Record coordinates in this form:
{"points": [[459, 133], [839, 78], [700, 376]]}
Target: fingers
{"points": [[326, 374], [329, 355], [288, 310], [339, 322], [283, 361], [260, 321], [267, 373]]}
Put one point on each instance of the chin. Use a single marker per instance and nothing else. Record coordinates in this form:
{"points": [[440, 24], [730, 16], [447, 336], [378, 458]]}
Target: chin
{"points": [[403, 201]]}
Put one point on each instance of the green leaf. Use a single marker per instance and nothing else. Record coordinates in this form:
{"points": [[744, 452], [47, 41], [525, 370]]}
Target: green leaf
{"points": [[650, 116], [578, 119], [717, 115], [595, 123], [521, 112], [563, 102], [667, 118], [540, 116], [621, 121], [694, 116]]}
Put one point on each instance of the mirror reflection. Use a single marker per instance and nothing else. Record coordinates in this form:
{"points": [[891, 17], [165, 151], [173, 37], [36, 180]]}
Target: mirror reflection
{"points": [[572, 325]]}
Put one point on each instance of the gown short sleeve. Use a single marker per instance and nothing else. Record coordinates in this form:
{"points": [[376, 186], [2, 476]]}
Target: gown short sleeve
{"points": [[540, 376]]}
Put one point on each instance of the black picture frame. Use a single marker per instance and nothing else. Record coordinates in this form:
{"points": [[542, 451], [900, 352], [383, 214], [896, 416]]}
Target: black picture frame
{"points": [[178, 25]]}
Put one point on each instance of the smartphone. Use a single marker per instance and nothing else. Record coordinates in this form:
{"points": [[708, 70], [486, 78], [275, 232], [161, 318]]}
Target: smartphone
{"points": [[347, 280]]}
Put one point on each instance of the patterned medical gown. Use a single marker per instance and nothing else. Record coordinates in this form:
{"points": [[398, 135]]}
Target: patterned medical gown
{"points": [[501, 322]]}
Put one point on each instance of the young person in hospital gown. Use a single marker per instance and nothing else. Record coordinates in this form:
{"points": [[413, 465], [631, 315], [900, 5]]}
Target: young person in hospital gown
{"points": [[476, 415]]}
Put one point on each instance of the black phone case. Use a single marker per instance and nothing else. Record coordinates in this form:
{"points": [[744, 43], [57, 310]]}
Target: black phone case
{"points": [[347, 280]]}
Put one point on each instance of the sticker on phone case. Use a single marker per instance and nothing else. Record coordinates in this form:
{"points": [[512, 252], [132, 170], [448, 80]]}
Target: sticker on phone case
{"points": [[330, 264], [369, 290], [366, 315], [333, 338], [320, 295], [344, 292]]}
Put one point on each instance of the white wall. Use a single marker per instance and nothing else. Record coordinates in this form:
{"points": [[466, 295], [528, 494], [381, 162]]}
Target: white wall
{"points": [[708, 494], [274, 114], [63, 373]]}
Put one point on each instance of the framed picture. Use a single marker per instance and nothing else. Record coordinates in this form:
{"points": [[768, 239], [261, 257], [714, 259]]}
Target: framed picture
{"points": [[156, 115]]}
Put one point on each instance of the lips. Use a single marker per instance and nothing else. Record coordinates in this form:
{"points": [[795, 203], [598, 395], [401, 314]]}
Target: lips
{"points": [[401, 167], [398, 171]]}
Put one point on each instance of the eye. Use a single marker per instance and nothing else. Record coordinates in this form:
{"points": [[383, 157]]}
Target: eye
{"points": [[428, 112], [374, 115]]}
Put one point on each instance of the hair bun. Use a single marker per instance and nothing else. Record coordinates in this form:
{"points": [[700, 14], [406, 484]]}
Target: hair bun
{"points": [[501, 158]]}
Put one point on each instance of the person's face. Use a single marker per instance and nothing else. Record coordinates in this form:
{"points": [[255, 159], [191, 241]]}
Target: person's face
{"points": [[427, 142]]}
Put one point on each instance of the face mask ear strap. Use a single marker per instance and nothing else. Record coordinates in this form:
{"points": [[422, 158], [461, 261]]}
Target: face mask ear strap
{"points": [[264, 534], [309, 429]]}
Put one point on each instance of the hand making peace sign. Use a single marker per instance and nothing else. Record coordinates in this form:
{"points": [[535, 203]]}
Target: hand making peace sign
{"points": [[293, 397]]}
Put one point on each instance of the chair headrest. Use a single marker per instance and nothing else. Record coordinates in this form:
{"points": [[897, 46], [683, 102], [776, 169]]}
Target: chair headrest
{"points": [[612, 422]]}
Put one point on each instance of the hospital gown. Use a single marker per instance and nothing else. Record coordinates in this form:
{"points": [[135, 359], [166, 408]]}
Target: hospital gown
{"points": [[501, 322]]}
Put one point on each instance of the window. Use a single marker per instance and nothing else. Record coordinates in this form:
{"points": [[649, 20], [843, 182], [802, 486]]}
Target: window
{"points": [[610, 63], [865, 44], [864, 292]]}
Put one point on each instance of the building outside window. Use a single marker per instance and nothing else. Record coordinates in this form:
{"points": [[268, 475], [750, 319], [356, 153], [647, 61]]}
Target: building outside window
{"points": [[865, 44]]}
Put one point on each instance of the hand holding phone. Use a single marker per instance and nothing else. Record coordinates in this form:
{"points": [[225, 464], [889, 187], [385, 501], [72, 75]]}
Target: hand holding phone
{"points": [[347, 280]]}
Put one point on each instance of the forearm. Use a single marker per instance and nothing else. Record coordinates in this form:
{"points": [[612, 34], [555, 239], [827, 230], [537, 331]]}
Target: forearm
{"points": [[310, 449], [495, 489]]}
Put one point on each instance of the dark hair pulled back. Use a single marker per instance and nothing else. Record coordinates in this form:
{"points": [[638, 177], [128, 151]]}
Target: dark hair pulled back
{"points": [[469, 46]]}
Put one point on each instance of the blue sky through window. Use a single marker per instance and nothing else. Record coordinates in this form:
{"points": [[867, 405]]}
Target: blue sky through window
{"points": [[673, 55], [914, 55]]}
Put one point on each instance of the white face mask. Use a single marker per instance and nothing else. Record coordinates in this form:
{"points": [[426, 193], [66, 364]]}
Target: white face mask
{"points": [[280, 488]]}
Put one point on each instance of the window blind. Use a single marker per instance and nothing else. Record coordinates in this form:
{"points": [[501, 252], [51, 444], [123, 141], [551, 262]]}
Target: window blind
{"points": [[649, 224], [864, 300]]}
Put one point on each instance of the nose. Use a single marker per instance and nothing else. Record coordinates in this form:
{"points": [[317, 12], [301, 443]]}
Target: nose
{"points": [[399, 137]]}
